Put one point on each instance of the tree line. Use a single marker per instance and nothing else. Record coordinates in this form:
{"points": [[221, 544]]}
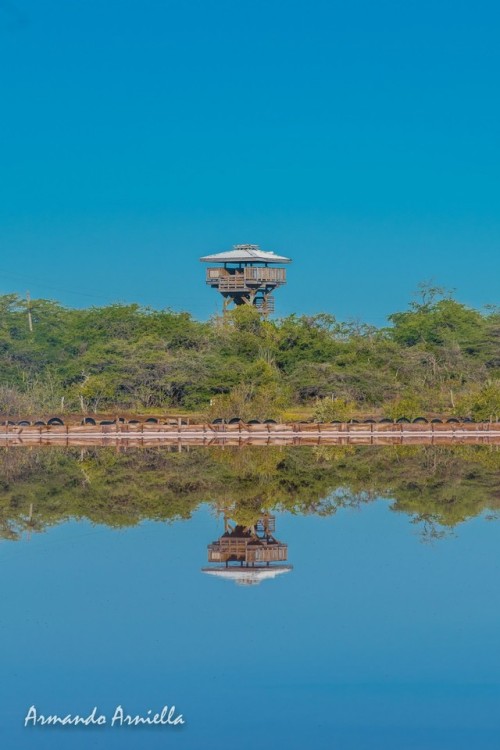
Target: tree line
{"points": [[438, 356]]}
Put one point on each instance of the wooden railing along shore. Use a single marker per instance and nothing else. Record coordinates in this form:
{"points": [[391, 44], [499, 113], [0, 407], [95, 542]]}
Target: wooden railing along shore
{"points": [[136, 431]]}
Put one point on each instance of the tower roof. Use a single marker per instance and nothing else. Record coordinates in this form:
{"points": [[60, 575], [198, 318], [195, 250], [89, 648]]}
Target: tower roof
{"points": [[245, 254]]}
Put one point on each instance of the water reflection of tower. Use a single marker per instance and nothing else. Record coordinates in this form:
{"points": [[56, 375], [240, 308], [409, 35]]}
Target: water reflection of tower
{"points": [[248, 554]]}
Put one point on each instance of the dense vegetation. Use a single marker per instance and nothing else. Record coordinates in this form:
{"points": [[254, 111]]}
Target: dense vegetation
{"points": [[438, 487], [439, 356]]}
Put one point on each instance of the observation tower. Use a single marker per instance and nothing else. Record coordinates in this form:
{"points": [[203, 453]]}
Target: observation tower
{"points": [[247, 275]]}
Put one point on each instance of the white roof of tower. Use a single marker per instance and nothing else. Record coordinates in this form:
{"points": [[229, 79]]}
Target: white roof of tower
{"points": [[245, 254]]}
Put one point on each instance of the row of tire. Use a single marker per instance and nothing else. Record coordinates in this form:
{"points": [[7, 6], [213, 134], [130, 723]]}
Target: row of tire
{"points": [[55, 421], [58, 422], [401, 420]]}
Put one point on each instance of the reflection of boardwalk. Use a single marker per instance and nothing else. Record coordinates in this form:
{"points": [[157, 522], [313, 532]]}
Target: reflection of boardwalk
{"points": [[253, 434]]}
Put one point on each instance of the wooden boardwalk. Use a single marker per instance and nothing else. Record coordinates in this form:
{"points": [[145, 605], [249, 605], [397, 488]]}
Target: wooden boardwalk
{"points": [[252, 434]]}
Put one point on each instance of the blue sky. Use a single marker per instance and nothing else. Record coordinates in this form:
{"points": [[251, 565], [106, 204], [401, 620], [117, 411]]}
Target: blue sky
{"points": [[359, 138]]}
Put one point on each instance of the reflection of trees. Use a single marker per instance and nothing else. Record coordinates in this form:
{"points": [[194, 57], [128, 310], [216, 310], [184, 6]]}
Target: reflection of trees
{"points": [[430, 529], [438, 487]]}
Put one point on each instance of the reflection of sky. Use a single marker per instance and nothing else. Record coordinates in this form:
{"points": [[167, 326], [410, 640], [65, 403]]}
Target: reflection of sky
{"points": [[374, 640]]}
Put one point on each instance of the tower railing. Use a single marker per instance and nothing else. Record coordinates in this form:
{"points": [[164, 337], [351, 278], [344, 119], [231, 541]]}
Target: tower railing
{"points": [[265, 304], [248, 276], [273, 275]]}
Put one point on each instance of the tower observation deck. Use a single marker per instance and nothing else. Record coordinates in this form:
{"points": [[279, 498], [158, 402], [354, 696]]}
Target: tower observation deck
{"points": [[246, 275]]}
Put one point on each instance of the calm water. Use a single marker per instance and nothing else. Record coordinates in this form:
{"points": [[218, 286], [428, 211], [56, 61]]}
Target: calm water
{"points": [[384, 634]]}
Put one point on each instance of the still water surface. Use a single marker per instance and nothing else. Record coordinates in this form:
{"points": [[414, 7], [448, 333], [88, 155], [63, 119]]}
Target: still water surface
{"points": [[383, 635]]}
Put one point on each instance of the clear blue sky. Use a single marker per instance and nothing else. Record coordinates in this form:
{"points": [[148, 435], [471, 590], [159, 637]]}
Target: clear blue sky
{"points": [[359, 138]]}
